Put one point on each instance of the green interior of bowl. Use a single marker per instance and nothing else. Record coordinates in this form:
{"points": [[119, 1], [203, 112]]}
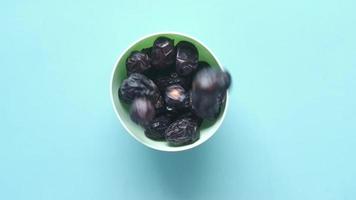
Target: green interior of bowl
{"points": [[207, 129]]}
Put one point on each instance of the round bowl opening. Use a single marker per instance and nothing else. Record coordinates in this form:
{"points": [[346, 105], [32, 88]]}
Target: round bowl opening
{"points": [[207, 129]]}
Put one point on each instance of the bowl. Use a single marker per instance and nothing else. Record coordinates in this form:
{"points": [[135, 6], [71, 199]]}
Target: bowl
{"points": [[208, 128]]}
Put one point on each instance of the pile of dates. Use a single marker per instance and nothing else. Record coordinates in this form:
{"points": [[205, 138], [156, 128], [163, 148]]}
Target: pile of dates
{"points": [[171, 92]]}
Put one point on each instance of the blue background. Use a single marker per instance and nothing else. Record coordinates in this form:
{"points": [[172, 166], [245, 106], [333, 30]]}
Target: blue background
{"points": [[289, 132]]}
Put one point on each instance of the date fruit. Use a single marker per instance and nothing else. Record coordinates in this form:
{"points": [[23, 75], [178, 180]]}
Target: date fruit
{"points": [[155, 130], [138, 85], [142, 111], [137, 62], [187, 58], [163, 53], [175, 97], [181, 132], [209, 88]]}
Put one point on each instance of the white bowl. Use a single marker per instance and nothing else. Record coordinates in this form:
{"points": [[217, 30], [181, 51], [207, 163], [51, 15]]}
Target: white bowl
{"points": [[207, 129]]}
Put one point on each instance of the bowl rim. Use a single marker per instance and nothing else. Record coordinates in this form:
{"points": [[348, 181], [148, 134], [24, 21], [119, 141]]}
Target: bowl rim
{"points": [[173, 149]]}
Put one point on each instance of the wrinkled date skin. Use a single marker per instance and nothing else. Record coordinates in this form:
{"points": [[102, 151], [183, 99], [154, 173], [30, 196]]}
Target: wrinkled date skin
{"points": [[187, 58], [208, 92], [181, 132], [137, 62], [142, 111], [147, 51], [176, 97], [173, 79], [138, 85], [192, 116], [163, 53], [156, 129]]}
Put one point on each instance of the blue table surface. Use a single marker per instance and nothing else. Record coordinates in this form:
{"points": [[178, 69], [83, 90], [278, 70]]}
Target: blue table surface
{"points": [[289, 133]]}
